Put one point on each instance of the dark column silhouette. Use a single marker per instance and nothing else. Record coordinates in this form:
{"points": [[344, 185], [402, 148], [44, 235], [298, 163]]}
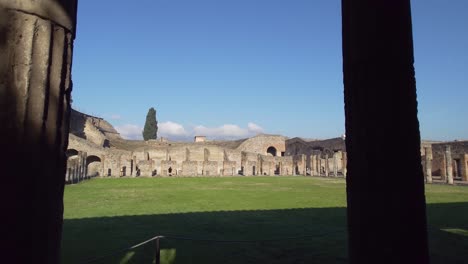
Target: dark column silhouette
{"points": [[386, 217], [36, 39]]}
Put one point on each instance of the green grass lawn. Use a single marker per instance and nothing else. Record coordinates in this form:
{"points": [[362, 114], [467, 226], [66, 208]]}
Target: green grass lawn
{"points": [[104, 215]]}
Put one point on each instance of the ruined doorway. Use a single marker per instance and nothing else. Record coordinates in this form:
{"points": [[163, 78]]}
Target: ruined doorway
{"points": [[93, 166], [277, 170], [457, 169]]}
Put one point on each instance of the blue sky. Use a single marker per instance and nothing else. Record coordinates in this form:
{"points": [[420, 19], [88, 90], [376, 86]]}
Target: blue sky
{"points": [[234, 68]]}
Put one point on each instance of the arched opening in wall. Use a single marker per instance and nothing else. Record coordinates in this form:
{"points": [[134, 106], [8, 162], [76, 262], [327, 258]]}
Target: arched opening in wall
{"points": [[71, 152], [271, 151], [93, 165]]}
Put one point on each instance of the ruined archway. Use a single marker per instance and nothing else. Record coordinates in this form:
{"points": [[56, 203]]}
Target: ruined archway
{"points": [[71, 152], [272, 151], [72, 166], [93, 164]]}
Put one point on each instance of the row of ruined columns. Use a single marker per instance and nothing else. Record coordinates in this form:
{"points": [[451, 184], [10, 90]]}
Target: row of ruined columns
{"points": [[77, 169], [317, 164], [447, 174]]}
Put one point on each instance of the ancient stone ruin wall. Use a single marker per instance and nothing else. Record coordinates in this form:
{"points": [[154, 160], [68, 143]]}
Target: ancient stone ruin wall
{"points": [[210, 168], [318, 157], [286, 165], [229, 168], [93, 134], [247, 157], [459, 161], [268, 166], [260, 144], [189, 168], [296, 146], [92, 128]]}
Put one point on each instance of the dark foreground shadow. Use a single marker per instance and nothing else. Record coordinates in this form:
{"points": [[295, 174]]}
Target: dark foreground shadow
{"points": [[84, 239]]}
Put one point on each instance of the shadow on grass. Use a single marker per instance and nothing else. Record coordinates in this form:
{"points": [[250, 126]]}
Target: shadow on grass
{"points": [[90, 237]]}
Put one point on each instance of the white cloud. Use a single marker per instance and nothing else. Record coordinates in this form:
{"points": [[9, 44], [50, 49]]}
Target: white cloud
{"points": [[168, 129], [115, 117], [254, 128], [228, 131], [129, 131], [177, 132]]}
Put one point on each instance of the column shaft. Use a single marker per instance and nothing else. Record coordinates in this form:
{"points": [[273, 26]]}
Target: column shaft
{"points": [[386, 218]]}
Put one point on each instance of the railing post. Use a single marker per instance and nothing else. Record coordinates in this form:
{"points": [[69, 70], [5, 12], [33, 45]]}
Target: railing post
{"points": [[158, 251]]}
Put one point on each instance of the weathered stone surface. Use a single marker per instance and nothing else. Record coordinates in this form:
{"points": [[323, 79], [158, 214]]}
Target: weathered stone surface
{"points": [[189, 168], [210, 168], [169, 168], [428, 164], [448, 163], [36, 39], [230, 168]]}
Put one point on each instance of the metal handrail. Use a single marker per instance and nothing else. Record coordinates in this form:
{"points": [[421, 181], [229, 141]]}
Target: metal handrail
{"points": [[175, 237]]}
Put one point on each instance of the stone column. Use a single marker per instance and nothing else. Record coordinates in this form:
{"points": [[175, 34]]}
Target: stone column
{"points": [[335, 164], [134, 163], [464, 167], [428, 163], [79, 166], [327, 168], [103, 173], [448, 164], [312, 165], [344, 163], [119, 167], [73, 172], [67, 171], [304, 164], [82, 167], [85, 165], [319, 165], [36, 39], [66, 175], [380, 103]]}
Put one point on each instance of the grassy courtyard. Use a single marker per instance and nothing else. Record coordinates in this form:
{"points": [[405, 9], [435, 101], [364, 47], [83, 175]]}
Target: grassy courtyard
{"points": [[104, 215]]}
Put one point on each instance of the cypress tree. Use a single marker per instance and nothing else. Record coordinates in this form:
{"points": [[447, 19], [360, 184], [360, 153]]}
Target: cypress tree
{"points": [[150, 130]]}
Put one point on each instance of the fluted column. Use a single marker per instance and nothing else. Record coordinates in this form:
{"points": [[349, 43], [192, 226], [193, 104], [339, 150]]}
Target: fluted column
{"points": [[36, 42]]}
